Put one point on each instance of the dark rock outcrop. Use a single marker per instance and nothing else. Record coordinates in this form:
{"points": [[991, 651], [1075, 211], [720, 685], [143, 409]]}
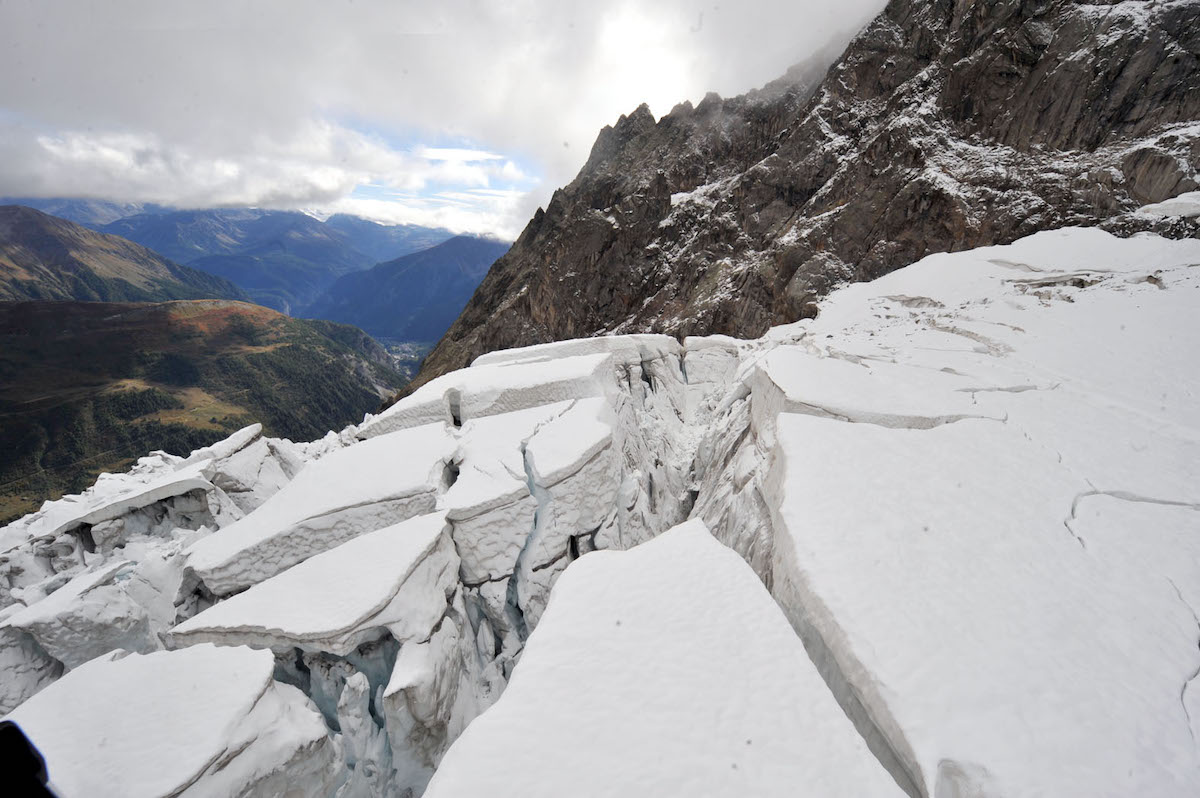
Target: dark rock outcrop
{"points": [[945, 125]]}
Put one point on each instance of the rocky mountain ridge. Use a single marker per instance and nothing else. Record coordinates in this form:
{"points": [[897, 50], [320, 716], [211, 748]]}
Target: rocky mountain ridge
{"points": [[945, 125], [283, 259]]}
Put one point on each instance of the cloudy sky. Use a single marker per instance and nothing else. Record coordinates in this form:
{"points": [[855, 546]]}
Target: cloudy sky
{"points": [[452, 113]]}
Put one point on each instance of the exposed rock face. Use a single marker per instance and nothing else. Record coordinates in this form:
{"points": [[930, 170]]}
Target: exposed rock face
{"points": [[945, 125]]}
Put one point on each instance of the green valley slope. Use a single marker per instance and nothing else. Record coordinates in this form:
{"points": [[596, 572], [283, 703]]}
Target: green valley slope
{"points": [[43, 257], [89, 386]]}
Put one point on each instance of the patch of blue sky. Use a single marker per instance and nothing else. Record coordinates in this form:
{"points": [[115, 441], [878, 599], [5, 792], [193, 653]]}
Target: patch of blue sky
{"points": [[381, 191]]}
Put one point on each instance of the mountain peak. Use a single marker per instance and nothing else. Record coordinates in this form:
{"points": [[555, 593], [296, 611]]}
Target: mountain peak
{"points": [[943, 126]]}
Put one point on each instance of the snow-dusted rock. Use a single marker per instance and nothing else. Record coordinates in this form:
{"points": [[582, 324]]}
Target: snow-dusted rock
{"points": [[203, 721], [345, 494], [1187, 204], [665, 670]]}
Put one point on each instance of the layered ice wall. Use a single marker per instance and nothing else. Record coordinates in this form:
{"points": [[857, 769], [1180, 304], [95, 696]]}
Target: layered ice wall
{"points": [[718, 695], [395, 571], [970, 488]]}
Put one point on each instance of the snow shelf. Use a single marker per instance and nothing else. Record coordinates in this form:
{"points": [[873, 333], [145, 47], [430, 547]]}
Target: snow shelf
{"points": [[491, 460], [345, 494], [1058, 671], [113, 496], [203, 721], [1187, 204], [628, 349], [156, 477], [694, 685], [107, 608], [496, 388], [871, 392], [1046, 553], [396, 579]]}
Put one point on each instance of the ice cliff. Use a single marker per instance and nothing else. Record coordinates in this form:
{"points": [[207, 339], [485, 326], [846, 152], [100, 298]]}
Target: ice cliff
{"points": [[942, 540]]}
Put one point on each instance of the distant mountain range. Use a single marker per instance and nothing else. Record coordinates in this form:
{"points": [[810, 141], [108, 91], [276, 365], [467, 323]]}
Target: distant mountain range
{"points": [[284, 260], [384, 242], [281, 259], [44, 257], [101, 366], [87, 212], [415, 297], [87, 386]]}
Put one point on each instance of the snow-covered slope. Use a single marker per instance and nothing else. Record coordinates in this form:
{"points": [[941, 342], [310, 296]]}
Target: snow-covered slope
{"points": [[203, 721], [716, 695], [970, 488]]}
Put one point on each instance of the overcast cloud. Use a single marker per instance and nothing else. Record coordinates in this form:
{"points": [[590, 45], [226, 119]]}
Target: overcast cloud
{"points": [[455, 113]]}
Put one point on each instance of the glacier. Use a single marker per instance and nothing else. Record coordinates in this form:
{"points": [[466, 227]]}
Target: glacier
{"points": [[942, 540]]}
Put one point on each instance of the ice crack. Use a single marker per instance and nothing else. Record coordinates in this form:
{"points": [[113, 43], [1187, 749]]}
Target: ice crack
{"points": [[1122, 496], [1188, 681]]}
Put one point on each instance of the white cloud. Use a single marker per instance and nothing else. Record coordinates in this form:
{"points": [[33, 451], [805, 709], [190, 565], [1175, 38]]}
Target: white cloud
{"points": [[295, 103], [462, 213], [457, 155]]}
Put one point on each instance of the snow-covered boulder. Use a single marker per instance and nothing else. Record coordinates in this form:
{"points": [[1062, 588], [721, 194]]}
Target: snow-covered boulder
{"points": [[25, 665], [252, 474], [108, 608], [112, 497], [202, 721], [1187, 204]]}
